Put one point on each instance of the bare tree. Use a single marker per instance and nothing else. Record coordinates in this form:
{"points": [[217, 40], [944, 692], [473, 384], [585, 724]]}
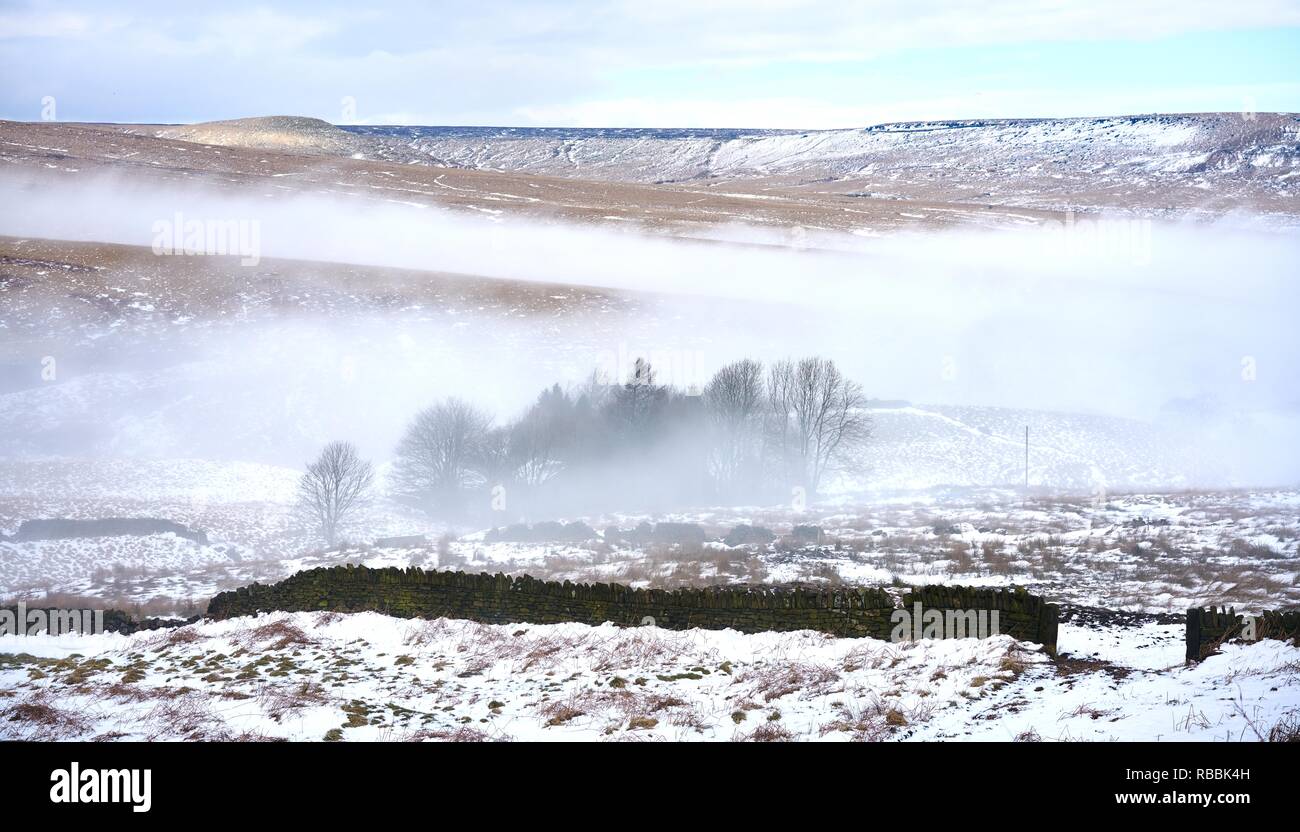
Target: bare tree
{"points": [[493, 458], [778, 449], [334, 487], [436, 456], [539, 438], [817, 417], [733, 400]]}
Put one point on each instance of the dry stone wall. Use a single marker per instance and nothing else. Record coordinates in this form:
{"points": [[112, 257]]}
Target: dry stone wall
{"points": [[501, 599], [63, 529], [1209, 628]]}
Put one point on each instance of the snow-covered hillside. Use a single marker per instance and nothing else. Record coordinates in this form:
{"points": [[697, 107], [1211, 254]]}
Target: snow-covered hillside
{"points": [[323, 676], [1037, 159]]}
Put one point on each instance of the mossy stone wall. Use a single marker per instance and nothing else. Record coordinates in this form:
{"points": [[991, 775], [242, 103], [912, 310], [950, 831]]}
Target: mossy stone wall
{"points": [[501, 599], [1208, 628]]}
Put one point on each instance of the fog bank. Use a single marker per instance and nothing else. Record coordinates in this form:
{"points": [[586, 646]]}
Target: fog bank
{"points": [[1147, 320]]}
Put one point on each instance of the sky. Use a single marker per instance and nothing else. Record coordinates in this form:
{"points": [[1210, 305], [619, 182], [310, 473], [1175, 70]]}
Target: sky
{"points": [[628, 63]]}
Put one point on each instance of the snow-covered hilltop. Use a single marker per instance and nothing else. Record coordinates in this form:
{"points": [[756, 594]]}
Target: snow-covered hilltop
{"points": [[292, 133]]}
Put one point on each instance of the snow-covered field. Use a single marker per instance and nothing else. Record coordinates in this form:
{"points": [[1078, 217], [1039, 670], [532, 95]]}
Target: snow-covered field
{"points": [[1145, 552], [1153, 553], [246, 509], [324, 676]]}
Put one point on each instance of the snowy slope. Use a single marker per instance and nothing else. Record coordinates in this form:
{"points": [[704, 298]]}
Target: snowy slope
{"points": [[321, 676], [1201, 150], [919, 446]]}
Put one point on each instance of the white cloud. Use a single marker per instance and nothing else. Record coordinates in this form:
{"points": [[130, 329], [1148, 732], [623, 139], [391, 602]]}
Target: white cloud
{"points": [[675, 112], [236, 34], [812, 113], [670, 30], [738, 30], [601, 62], [70, 25]]}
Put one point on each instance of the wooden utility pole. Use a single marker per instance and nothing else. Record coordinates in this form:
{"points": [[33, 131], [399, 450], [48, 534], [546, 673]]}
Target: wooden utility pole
{"points": [[1026, 457]]}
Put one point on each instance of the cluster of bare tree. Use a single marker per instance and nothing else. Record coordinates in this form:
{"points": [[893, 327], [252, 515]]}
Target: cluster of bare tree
{"points": [[752, 433], [789, 426]]}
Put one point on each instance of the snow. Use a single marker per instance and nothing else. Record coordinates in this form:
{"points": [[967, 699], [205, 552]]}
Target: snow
{"points": [[1235, 696], [363, 676], [66, 563]]}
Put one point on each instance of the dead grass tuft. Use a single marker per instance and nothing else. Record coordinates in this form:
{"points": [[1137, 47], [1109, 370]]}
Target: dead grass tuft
{"points": [[775, 681], [281, 633]]}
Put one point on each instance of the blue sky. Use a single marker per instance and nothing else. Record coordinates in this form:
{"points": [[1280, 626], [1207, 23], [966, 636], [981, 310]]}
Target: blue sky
{"points": [[759, 63]]}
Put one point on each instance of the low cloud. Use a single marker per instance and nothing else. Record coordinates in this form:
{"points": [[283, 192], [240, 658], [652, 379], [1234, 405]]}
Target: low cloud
{"points": [[1151, 321]]}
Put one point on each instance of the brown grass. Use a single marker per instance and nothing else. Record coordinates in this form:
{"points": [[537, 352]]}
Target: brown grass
{"points": [[768, 732], [775, 681], [281, 633], [46, 721]]}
